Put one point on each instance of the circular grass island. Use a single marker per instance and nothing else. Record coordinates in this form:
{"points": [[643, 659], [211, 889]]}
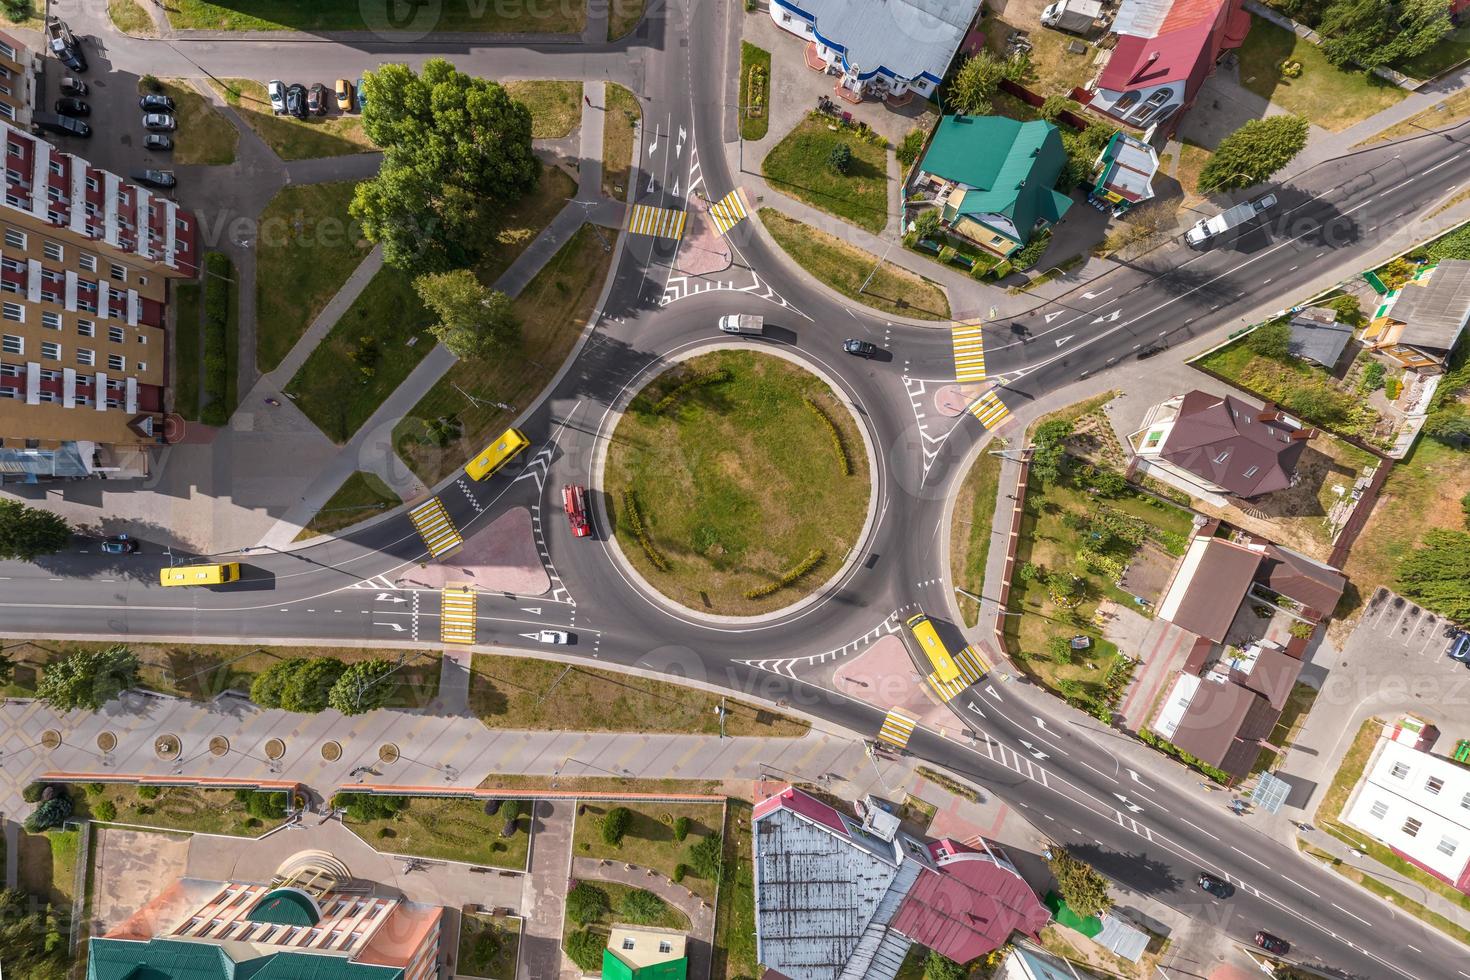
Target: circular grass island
{"points": [[736, 483]]}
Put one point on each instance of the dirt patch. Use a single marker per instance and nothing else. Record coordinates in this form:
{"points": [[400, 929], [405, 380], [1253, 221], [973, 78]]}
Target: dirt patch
{"points": [[130, 868]]}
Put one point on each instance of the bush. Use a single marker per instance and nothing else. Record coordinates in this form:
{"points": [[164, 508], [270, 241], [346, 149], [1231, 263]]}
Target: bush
{"points": [[149, 792], [1054, 106], [50, 813], [266, 806], [584, 948], [840, 158], [947, 254], [96, 789], [642, 907], [910, 147], [937, 966], [1030, 253], [833, 433], [635, 524], [1392, 387], [927, 223], [681, 825], [587, 903], [1465, 508], [707, 857], [701, 379], [1271, 340], [105, 810], [1302, 631], [217, 355], [680, 870], [32, 792], [366, 807], [791, 576], [1373, 375], [513, 809], [615, 825]]}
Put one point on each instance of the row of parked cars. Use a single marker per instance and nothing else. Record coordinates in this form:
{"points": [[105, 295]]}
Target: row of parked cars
{"points": [[299, 101]]}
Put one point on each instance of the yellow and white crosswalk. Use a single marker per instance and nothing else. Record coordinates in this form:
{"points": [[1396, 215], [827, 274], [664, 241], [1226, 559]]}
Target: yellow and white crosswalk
{"points": [[897, 727], [457, 614], [969, 352], [990, 410], [972, 667], [728, 212], [432, 522], [659, 222]]}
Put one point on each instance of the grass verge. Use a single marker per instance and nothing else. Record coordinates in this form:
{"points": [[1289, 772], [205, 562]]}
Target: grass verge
{"points": [[448, 830], [618, 129], [1447, 112], [518, 692], [800, 166], [623, 17], [1329, 96], [844, 267], [734, 945], [755, 119], [204, 136], [361, 496], [221, 340], [971, 532], [649, 842], [333, 135], [129, 17], [468, 16], [186, 809], [186, 334], [519, 224], [1384, 891], [556, 107], [48, 865], [488, 946]]}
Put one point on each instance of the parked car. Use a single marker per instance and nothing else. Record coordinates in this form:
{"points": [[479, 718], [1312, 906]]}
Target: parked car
{"points": [[296, 101], [72, 107], [361, 95], [156, 102], [159, 122], [344, 95], [73, 86], [1218, 887], [552, 636], [163, 179], [65, 46], [1459, 648], [1272, 944], [277, 92], [119, 544], [158, 142], [316, 99], [860, 348], [60, 125], [574, 502]]}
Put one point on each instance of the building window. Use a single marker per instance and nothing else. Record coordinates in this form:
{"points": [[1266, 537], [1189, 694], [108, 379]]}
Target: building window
{"points": [[51, 350], [627, 942], [7, 50], [10, 370], [50, 320], [1400, 770], [92, 184], [85, 356], [14, 311], [119, 272], [86, 328], [142, 366], [15, 238], [12, 344], [142, 338], [56, 168], [116, 335], [48, 396], [52, 250], [1465, 801], [16, 148], [1447, 846], [47, 374], [116, 362], [665, 947], [114, 403], [1411, 827], [1378, 810], [88, 262], [1433, 785], [11, 287], [50, 296], [182, 224]]}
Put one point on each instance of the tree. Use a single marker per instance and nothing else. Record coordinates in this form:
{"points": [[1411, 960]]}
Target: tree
{"points": [[1079, 883], [976, 82], [1059, 648], [707, 857], [926, 225], [1054, 106], [1083, 148], [30, 945], [912, 145], [642, 906], [1047, 449], [266, 689], [48, 814], [361, 687], [1434, 574], [587, 903], [1356, 32], [681, 824], [585, 947], [1421, 25], [88, 679], [840, 159], [308, 686], [1450, 424], [615, 825], [26, 532], [456, 152], [474, 320], [937, 966], [1254, 152], [1271, 340]]}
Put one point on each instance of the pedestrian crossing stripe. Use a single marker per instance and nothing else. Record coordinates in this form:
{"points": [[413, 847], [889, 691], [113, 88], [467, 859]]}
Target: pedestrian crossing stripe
{"points": [[432, 522], [729, 212], [990, 410], [659, 222], [969, 352], [457, 614], [972, 667], [897, 727]]}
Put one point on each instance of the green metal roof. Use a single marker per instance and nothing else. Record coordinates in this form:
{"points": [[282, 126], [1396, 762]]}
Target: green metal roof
{"points": [[171, 959], [287, 907], [1012, 166], [614, 967]]}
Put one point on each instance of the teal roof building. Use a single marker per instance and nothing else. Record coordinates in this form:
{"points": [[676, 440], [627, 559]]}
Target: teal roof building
{"points": [[172, 959]]}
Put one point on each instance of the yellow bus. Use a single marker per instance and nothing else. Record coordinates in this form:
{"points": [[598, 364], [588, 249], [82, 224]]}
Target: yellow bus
{"points": [[497, 454], [928, 639], [200, 574]]}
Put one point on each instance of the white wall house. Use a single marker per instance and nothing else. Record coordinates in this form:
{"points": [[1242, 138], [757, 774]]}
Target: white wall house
{"points": [[1419, 805]]}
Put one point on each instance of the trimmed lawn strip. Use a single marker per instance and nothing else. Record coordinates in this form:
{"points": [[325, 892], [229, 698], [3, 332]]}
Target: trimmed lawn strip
{"points": [[623, 113], [623, 17], [517, 693], [129, 17], [333, 135], [204, 136], [187, 340], [448, 830], [48, 863], [186, 809], [520, 223], [971, 533], [734, 945], [754, 127], [556, 107], [506, 931], [843, 267], [553, 309], [220, 332], [1448, 53], [466, 16], [737, 483], [308, 247], [1456, 110], [799, 166], [650, 841], [1384, 891], [369, 351], [361, 496], [1330, 97]]}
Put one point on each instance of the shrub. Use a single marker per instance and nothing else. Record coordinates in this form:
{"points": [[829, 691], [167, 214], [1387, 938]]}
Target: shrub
{"points": [[32, 792], [910, 147], [149, 792], [50, 813], [642, 906], [790, 577], [366, 807], [1302, 631], [96, 788], [680, 870], [947, 254], [1031, 253], [584, 948], [937, 966], [1392, 387], [1059, 648], [615, 825], [587, 903], [700, 379], [839, 446], [105, 810], [266, 806], [1373, 375], [1271, 340], [513, 809], [384, 833], [926, 224], [1053, 107], [681, 825], [840, 158], [1147, 737], [1465, 508], [635, 524], [1397, 273], [707, 857]]}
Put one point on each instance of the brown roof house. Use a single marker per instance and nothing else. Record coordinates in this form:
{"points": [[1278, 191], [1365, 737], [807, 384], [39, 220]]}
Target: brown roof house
{"points": [[1233, 604], [1214, 446], [1419, 324]]}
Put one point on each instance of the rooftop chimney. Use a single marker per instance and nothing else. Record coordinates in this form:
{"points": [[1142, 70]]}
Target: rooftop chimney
{"points": [[1303, 435]]}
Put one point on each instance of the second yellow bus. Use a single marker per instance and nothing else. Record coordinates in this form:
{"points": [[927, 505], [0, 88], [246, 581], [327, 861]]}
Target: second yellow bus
{"points": [[497, 454], [928, 639], [200, 574]]}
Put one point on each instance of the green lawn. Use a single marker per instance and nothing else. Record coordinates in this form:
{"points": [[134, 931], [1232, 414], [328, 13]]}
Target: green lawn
{"points": [[449, 830], [755, 120], [734, 945], [333, 135], [618, 128], [129, 17], [308, 247], [182, 808], [187, 341], [204, 136], [488, 946], [556, 107], [736, 483], [25, 14], [347, 15], [363, 495], [48, 865], [844, 267], [524, 693], [799, 166], [971, 533], [650, 839], [1330, 97], [623, 17], [1453, 50], [617, 894], [367, 354], [553, 309], [518, 225]]}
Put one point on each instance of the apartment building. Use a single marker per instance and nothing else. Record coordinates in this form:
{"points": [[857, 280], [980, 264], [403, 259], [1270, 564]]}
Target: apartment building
{"points": [[85, 261], [19, 79]]}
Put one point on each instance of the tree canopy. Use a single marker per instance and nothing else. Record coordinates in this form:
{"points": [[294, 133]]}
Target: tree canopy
{"points": [[27, 532], [1047, 449], [362, 687], [975, 84], [1373, 34], [456, 151], [1433, 574], [1079, 883], [474, 320], [1253, 153], [88, 679], [297, 683]]}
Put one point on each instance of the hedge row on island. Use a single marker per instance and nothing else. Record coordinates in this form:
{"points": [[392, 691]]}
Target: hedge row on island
{"points": [[839, 446], [635, 524], [791, 577]]}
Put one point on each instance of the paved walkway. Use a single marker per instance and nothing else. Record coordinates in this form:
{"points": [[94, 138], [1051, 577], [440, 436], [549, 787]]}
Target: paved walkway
{"points": [[545, 892]]}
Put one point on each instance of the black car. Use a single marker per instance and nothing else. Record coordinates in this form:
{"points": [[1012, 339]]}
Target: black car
{"points": [[72, 107], [1218, 887], [158, 142], [60, 125], [164, 179], [153, 102], [73, 86], [296, 101], [861, 348], [316, 100], [1272, 944]]}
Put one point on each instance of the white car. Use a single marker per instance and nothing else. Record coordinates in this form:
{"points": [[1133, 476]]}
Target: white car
{"points": [[552, 636], [276, 89]]}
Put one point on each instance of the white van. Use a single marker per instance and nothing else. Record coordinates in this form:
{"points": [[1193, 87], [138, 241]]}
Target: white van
{"points": [[742, 323]]}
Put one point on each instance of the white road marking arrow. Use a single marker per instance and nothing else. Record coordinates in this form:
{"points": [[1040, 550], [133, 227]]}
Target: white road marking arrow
{"points": [[533, 610], [1035, 752], [990, 690], [651, 181], [397, 628], [679, 147], [653, 147], [1092, 295], [1041, 723], [385, 597], [1133, 807], [676, 188], [1052, 316], [1109, 318], [1139, 780], [1065, 339], [975, 708]]}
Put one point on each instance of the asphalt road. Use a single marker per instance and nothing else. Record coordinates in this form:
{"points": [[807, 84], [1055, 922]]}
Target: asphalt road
{"points": [[341, 590]]}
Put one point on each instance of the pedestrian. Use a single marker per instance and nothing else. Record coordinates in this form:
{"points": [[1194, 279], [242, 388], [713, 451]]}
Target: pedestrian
{"points": [[587, 99]]}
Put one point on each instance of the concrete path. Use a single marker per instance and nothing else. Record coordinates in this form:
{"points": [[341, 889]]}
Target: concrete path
{"points": [[544, 895], [454, 681], [325, 320]]}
